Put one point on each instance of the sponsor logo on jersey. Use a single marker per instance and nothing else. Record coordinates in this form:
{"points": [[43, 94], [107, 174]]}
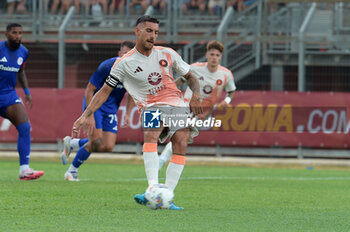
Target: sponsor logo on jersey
{"points": [[154, 78], [154, 91], [3, 59], [9, 69], [163, 63], [20, 61], [138, 69]]}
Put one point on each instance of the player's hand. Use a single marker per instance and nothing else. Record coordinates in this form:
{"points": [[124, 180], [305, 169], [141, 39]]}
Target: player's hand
{"points": [[195, 105], [223, 104], [77, 125], [126, 121], [28, 101]]}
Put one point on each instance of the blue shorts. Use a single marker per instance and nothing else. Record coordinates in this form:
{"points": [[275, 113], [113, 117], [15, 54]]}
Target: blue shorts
{"points": [[7, 100], [105, 121]]}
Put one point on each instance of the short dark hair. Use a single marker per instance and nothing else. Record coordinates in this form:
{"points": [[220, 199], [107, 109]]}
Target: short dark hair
{"points": [[129, 44], [214, 44], [11, 25], [146, 18]]}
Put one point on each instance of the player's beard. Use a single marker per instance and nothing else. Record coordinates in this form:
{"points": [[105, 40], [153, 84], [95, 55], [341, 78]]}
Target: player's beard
{"points": [[14, 44], [148, 46]]}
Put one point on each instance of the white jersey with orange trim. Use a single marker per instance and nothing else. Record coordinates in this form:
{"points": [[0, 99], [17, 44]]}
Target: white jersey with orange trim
{"points": [[211, 83], [149, 79]]}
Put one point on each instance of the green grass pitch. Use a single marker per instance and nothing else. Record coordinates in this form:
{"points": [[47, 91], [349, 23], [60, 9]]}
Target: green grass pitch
{"points": [[215, 199]]}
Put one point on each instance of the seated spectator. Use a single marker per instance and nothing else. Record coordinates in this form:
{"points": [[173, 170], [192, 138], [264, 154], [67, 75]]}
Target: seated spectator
{"points": [[65, 4], [236, 4], [193, 5], [98, 9], [240, 5], [274, 7], [159, 4], [119, 4], [138, 3], [248, 2], [16, 6], [215, 6]]}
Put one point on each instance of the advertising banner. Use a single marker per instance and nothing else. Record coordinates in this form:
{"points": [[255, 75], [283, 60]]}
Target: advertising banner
{"points": [[254, 119]]}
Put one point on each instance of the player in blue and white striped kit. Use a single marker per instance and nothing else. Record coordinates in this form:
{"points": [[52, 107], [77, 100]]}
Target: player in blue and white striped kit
{"points": [[103, 137], [13, 56]]}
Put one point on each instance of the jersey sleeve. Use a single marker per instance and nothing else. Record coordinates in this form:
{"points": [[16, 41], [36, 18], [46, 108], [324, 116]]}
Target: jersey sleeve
{"points": [[101, 74], [26, 54], [117, 74], [230, 84], [195, 72], [25, 57], [179, 66], [94, 80]]}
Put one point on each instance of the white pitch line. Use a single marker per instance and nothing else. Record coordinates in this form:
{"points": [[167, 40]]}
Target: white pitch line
{"points": [[267, 178], [252, 178]]}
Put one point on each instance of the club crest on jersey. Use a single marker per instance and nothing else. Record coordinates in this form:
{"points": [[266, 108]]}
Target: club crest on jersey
{"points": [[20, 61], [163, 63], [201, 78], [207, 89], [219, 82], [154, 78]]}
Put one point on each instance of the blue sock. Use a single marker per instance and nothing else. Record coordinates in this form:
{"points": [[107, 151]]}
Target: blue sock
{"points": [[80, 157], [23, 143], [83, 141]]}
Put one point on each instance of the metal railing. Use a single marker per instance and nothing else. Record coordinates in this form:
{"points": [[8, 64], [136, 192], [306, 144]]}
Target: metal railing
{"points": [[42, 23], [61, 47], [249, 36], [301, 64], [224, 23]]}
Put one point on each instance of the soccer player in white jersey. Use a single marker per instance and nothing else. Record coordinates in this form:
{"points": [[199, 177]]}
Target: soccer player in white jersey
{"points": [[146, 73], [213, 79]]}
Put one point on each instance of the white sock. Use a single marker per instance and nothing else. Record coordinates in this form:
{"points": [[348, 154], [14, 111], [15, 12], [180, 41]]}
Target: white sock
{"points": [[173, 174], [72, 168], [74, 143], [23, 167], [151, 167], [167, 152]]}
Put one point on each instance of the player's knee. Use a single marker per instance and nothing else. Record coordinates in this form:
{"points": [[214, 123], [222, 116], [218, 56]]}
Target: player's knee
{"points": [[183, 143], [151, 136], [179, 146], [23, 129], [108, 148], [96, 145]]}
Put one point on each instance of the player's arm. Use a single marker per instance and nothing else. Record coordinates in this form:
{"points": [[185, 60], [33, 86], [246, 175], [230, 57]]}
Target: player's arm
{"points": [[195, 103], [129, 105], [229, 97], [89, 92], [98, 99], [230, 88], [22, 79], [179, 82]]}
